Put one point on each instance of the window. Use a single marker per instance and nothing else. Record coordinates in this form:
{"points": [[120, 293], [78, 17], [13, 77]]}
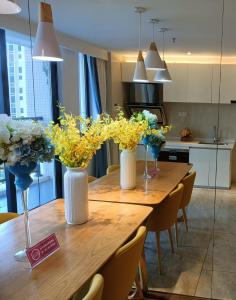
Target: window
{"points": [[23, 105], [10, 48]]}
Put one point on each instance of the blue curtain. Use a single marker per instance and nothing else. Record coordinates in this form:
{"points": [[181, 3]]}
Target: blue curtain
{"points": [[93, 107]]}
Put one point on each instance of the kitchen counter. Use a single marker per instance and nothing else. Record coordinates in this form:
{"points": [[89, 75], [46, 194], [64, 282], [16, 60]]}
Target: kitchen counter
{"points": [[203, 144]]}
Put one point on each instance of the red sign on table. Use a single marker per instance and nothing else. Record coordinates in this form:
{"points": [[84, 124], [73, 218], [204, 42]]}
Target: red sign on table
{"points": [[42, 250]]}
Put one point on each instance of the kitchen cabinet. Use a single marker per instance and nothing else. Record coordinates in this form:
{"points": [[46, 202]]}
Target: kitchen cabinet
{"points": [[228, 87], [199, 86], [204, 163], [176, 91], [192, 83]]}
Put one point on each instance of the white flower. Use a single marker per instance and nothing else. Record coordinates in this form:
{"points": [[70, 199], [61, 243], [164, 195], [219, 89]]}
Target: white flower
{"points": [[4, 135]]}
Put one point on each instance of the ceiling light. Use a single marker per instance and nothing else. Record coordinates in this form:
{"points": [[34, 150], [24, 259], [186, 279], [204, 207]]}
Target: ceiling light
{"points": [[46, 46], [9, 7], [189, 53], [163, 75], [153, 60], [140, 74]]}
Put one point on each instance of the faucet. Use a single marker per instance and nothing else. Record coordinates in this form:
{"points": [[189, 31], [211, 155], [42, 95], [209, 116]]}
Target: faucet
{"points": [[216, 139]]}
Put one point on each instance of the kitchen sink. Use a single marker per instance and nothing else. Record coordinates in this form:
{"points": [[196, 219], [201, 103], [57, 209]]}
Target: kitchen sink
{"points": [[212, 143]]}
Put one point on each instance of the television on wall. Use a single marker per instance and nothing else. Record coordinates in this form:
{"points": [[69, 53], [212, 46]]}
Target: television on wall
{"points": [[145, 93]]}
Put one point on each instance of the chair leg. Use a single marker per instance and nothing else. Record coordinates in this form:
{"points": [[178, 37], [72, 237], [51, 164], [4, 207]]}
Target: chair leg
{"points": [[185, 218], [143, 272], [159, 251], [176, 234], [171, 240]]}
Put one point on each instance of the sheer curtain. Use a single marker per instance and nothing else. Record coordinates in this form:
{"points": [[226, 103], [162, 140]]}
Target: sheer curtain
{"points": [[92, 83]]}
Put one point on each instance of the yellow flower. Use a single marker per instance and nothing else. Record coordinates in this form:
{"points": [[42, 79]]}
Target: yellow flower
{"points": [[127, 133], [76, 139]]}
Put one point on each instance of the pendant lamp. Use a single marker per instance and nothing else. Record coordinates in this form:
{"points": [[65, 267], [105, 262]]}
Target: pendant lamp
{"points": [[153, 59], [163, 75], [140, 74], [9, 7], [46, 46]]}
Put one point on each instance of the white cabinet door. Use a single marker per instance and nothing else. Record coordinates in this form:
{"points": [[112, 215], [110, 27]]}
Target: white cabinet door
{"points": [[220, 174], [208, 173], [200, 158], [199, 83], [176, 91], [228, 86]]}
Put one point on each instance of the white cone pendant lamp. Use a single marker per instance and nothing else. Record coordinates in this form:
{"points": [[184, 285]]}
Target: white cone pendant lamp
{"points": [[163, 75], [9, 7], [46, 46], [153, 60], [140, 74]]}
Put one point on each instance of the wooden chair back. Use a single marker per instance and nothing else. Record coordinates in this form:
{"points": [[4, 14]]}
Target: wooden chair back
{"points": [[165, 214], [112, 168], [91, 178], [4, 217], [96, 288], [188, 182], [119, 272]]}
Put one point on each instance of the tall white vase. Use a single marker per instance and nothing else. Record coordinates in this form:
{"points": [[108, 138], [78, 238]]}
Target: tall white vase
{"points": [[76, 195], [128, 169]]}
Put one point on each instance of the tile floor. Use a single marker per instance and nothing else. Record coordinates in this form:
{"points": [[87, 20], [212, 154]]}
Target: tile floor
{"points": [[201, 266]]}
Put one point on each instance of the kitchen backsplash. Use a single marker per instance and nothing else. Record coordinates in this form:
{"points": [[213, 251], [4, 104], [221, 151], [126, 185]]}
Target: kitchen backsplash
{"points": [[201, 119]]}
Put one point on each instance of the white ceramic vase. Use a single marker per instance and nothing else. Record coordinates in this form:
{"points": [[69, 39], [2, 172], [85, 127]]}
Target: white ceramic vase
{"points": [[128, 169], [76, 195]]}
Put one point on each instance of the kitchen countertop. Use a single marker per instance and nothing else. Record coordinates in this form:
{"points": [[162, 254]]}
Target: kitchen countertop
{"points": [[177, 144]]}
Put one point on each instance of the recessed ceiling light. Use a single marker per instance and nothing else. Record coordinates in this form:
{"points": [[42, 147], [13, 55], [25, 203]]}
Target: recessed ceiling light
{"points": [[189, 53]]}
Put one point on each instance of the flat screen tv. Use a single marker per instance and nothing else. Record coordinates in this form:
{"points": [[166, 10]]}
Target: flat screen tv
{"points": [[145, 93]]}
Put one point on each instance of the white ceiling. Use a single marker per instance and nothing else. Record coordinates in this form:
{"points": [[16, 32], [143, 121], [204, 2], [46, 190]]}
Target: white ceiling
{"points": [[112, 24]]}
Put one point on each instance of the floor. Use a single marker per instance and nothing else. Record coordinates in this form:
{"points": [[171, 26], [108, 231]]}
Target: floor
{"points": [[201, 266]]}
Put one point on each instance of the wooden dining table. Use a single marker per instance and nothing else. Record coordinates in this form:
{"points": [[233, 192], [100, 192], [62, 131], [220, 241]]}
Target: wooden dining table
{"points": [[147, 192], [83, 248]]}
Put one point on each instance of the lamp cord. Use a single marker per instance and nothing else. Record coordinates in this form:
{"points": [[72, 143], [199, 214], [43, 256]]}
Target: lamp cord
{"points": [[33, 79], [163, 40], [140, 23]]}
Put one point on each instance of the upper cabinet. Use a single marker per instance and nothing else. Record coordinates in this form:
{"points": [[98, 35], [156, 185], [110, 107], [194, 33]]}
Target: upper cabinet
{"points": [[193, 83], [228, 86], [176, 91], [199, 83]]}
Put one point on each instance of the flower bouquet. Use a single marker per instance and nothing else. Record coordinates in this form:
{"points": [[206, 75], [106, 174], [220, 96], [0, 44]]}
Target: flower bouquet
{"points": [[154, 137], [23, 143], [127, 133], [76, 140]]}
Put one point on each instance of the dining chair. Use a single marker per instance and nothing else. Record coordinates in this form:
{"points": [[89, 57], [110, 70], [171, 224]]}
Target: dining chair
{"points": [[120, 271], [91, 178], [164, 216], [93, 292], [4, 217], [112, 168], [188, 182]]}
